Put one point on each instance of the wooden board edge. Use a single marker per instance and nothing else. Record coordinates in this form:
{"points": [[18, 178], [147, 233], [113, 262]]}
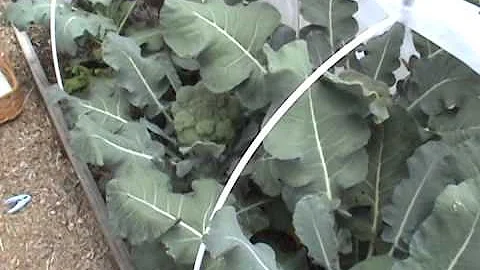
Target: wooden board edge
{"points": [[117, 247]]}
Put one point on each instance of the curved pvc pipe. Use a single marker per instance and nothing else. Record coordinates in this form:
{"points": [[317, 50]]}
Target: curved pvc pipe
{"points": [[53, 41]]}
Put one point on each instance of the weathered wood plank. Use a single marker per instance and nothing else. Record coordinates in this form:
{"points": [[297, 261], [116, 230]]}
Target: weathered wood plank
{"points": [[117, 246]]}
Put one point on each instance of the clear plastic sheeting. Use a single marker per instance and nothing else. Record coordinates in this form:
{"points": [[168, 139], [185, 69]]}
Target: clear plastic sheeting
{"points": [[447, 23]]}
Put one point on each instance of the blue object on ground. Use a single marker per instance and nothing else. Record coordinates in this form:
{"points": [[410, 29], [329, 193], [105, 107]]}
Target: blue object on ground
{"points": [[17, 203]]}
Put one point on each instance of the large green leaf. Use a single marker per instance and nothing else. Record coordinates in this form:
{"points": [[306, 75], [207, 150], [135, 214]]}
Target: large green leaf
{"points": [[250, 215], [151, 38], [225, 239], [314, 223], [314, 153], [145, 78], [226, 40], [449, 237], [142, 207], [413, 198], [467, 158], [333, 25], [324, 135], [98, 146], [71, 23], [152, 256], [440, 83], [102, 102], [375, 263], [372, 94], [391, 144], [265, 176], [382, 55], [258, 91], [458, 124]]}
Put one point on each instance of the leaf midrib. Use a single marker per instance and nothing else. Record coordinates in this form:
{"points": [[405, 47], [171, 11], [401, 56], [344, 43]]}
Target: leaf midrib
{"points": [[465, 243], [230, 38], [411, 204], [143, 80], [320, 240], [319, 146], [249, 249], [121, 148], [181, 223], [105, 112], [431, 90]]}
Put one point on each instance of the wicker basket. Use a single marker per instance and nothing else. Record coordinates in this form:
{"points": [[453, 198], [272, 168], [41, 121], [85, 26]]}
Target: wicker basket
{"points": [[11, 105]]}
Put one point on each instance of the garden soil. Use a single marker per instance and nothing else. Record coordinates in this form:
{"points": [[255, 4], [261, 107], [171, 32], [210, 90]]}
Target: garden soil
{"points": [[57, 230]]}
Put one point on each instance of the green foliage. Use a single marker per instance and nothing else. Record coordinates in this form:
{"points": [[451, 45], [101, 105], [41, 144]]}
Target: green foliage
{"points": [[227, 240], [145, 78], [25, 12], [315, 226], [332, 25], [365, 171], [447, 238], [200, 115], [227, 52], [79, 80]]}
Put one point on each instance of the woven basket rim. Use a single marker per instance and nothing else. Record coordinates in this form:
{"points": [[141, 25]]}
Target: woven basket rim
{"points": [[7, 70]]}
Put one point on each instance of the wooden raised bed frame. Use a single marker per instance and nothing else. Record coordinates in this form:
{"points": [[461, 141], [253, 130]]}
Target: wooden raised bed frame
{"points": [[118, 248]]}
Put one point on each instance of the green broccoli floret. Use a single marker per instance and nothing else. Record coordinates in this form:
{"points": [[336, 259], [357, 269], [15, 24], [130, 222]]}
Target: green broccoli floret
{"points": [[200, 115]]}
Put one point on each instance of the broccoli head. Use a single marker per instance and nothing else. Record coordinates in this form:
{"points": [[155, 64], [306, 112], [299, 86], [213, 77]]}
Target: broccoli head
{"points": [[200, 115]]}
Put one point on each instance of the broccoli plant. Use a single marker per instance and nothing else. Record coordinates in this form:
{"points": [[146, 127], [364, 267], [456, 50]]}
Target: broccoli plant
{"points": [[375, 166]]}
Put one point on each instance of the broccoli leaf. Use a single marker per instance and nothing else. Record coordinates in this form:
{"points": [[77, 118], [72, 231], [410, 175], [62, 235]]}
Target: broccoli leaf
{"points": [[151, 256], [382, 55], [151, 38], [257, 92], [375, 263], [391, 144], [333, 25], [440, 83], [145, 78], [314, 223], [250, 216], [265, 176], [413, 198], [373, 94], [225, 239], [458, 124], [71, 23], [449, 237], [98, 146], [325, 137], [228, 52], [143, 207], [102, 102]]}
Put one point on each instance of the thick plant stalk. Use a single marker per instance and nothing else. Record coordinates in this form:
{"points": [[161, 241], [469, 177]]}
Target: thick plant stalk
{"points": [[53, 41], [282, 110]]}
